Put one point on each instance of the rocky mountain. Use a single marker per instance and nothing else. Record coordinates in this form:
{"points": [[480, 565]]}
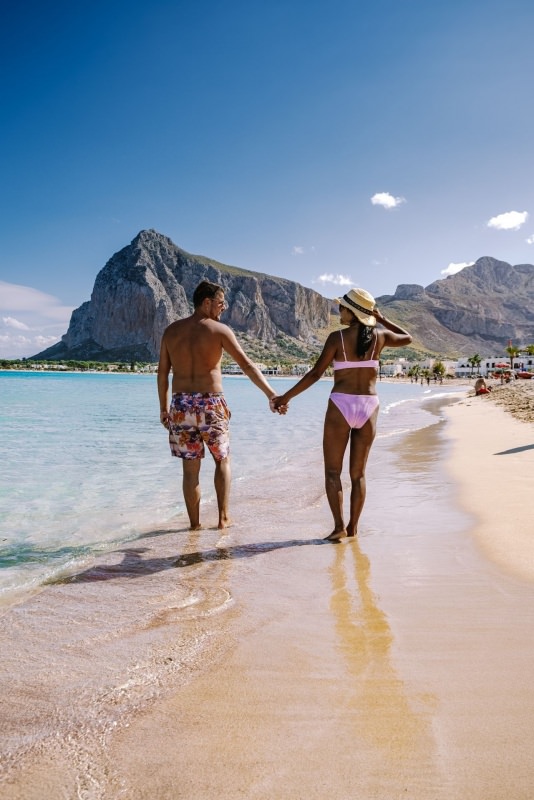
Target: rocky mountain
{"points": [[480, 309], [149, 284]]}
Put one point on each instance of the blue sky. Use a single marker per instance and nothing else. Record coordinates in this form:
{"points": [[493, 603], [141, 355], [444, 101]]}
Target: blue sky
{"points": [[331, 142]]}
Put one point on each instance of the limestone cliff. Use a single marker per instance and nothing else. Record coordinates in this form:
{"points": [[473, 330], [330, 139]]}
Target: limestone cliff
{"points": [[149, 284]]}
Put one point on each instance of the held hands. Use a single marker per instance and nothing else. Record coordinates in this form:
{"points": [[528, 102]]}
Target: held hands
{"points": [[277, 407]]}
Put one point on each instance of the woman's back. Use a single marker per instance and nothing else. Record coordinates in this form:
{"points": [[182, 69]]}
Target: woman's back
{"points": [[354, 374]]}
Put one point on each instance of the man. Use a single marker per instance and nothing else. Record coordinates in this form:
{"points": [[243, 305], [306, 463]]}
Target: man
{"points": [[198, 414]]}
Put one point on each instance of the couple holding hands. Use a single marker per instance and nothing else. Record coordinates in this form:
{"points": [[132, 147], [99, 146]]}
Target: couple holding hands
{"points": [[198, 415]]}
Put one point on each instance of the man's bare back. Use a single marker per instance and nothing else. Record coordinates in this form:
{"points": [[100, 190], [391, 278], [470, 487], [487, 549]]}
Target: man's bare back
{"points": [[195, 348]]}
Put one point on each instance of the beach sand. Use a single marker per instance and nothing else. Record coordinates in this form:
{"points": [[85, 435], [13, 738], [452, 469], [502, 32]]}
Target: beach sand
{"points": [[397, 665]]}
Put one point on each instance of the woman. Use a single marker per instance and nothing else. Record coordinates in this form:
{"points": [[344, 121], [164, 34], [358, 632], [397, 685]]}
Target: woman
{"points": [[353, 405]]}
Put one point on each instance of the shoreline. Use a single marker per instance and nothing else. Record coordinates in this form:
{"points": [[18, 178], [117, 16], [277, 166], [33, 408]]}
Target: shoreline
{"points": [[397, 662]]}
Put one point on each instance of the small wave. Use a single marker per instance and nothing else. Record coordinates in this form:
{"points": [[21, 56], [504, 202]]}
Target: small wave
{"points": [[397, 403]]}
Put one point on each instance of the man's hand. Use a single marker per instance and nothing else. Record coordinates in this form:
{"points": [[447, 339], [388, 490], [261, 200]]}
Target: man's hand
{"points": [[277, 406], [164, 418]]}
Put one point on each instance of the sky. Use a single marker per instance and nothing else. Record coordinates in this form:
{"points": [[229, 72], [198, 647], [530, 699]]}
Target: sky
{"points": [[335, 143]]}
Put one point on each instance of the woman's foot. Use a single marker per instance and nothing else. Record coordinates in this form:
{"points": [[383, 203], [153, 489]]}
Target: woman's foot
{"points": [[336, 535]]}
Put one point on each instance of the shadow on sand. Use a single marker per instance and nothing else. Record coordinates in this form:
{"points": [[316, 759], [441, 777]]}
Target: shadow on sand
{"points": [[515, 450], [133, 565]]}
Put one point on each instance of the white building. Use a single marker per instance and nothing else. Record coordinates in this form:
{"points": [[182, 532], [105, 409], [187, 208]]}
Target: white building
{"points": [[300, 369], [521, 364], [232, 369]]}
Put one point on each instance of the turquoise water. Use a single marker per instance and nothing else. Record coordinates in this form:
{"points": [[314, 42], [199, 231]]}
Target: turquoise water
{"points": [[85, 464]]}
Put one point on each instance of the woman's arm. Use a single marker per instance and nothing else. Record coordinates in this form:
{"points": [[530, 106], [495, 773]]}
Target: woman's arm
{"points": [[394, 335], [312, 376]]}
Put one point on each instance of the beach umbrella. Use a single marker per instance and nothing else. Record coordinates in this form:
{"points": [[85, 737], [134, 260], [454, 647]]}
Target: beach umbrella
{"points": [[502, 366]]}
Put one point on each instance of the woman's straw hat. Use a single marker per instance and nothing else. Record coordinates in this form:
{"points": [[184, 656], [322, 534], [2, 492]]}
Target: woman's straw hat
{"points": [[361, 303]]}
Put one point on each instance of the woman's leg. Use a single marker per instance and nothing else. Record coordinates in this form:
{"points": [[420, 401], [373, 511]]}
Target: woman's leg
{"points": [[361, 440], [335, 438]]}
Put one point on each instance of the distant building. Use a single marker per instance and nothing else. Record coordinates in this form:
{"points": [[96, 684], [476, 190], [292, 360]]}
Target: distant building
{"points": [[300, 369], [463, 369], [232, 369]]}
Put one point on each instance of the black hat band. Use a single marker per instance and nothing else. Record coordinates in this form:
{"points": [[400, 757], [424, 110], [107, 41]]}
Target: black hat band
{"points": [[357, 307]]}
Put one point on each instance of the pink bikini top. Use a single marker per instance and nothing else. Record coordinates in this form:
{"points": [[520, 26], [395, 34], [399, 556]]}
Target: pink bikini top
{"points": [[373, 363]]}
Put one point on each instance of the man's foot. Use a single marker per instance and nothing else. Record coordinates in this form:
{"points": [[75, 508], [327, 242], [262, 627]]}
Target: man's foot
{"points": [[351, 531], [224, 522], [195, 526], [335, 536]]}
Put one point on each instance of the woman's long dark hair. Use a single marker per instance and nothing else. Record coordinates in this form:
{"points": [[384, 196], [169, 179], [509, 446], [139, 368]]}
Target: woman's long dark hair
{"points": [[363, 342]]}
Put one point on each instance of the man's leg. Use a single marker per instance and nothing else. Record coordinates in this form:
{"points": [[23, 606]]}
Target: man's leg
{"points": [[191, 490], [222, 479]]}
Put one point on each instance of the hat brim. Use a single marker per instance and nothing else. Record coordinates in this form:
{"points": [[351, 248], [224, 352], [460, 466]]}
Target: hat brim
{"points": [[365, 319]]}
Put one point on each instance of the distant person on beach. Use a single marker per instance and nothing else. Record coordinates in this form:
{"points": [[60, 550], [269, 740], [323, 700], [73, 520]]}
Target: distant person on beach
{"points": [[480, 387], [352, 410], [198, 414]]}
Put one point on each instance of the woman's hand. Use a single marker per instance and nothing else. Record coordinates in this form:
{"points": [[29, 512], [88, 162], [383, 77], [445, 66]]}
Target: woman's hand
{"points": [[277, 405], [378, 314]]}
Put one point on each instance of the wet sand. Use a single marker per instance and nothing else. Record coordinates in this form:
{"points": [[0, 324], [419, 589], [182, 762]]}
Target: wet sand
{"points": [[397, 665]]}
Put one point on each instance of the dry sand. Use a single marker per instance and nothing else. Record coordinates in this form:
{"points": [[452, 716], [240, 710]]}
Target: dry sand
{"points": [[399, 665], [493, 462]]}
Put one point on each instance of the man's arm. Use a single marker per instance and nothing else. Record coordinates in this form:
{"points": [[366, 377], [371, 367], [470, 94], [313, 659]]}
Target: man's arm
{"points": [[234, 349], [164, 368]]}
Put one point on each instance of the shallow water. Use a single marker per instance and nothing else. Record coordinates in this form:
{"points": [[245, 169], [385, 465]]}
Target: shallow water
{"points": [[85, 464]]}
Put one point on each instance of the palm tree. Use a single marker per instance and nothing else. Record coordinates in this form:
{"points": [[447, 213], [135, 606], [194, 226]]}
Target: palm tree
{"points": [[530, 349], [438, 368], [474, 361], [513, 352]]}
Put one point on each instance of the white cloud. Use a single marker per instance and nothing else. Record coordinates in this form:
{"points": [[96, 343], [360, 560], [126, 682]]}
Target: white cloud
{"points": [[23, 298], [337, 280], [22, 346], [530, 239], [10, 322], [453, 268], [41, 316], [386, 200], [509, 221], [297, 251]]}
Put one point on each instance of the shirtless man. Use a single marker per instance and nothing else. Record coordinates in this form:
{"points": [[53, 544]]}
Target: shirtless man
{"points": [[198, 414]]}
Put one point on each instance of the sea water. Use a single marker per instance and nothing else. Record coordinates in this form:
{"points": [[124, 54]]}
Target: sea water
{"points": [[85, 465]]}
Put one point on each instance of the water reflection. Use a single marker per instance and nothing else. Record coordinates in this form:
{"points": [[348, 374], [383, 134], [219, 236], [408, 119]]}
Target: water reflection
{"points": [[382, 710]]}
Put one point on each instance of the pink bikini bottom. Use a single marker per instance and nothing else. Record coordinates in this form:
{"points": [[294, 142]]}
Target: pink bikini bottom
{"points": [[356, 408]]}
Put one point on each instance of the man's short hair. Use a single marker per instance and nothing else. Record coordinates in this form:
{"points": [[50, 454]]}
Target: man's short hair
{"points": [[203, 290]]}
